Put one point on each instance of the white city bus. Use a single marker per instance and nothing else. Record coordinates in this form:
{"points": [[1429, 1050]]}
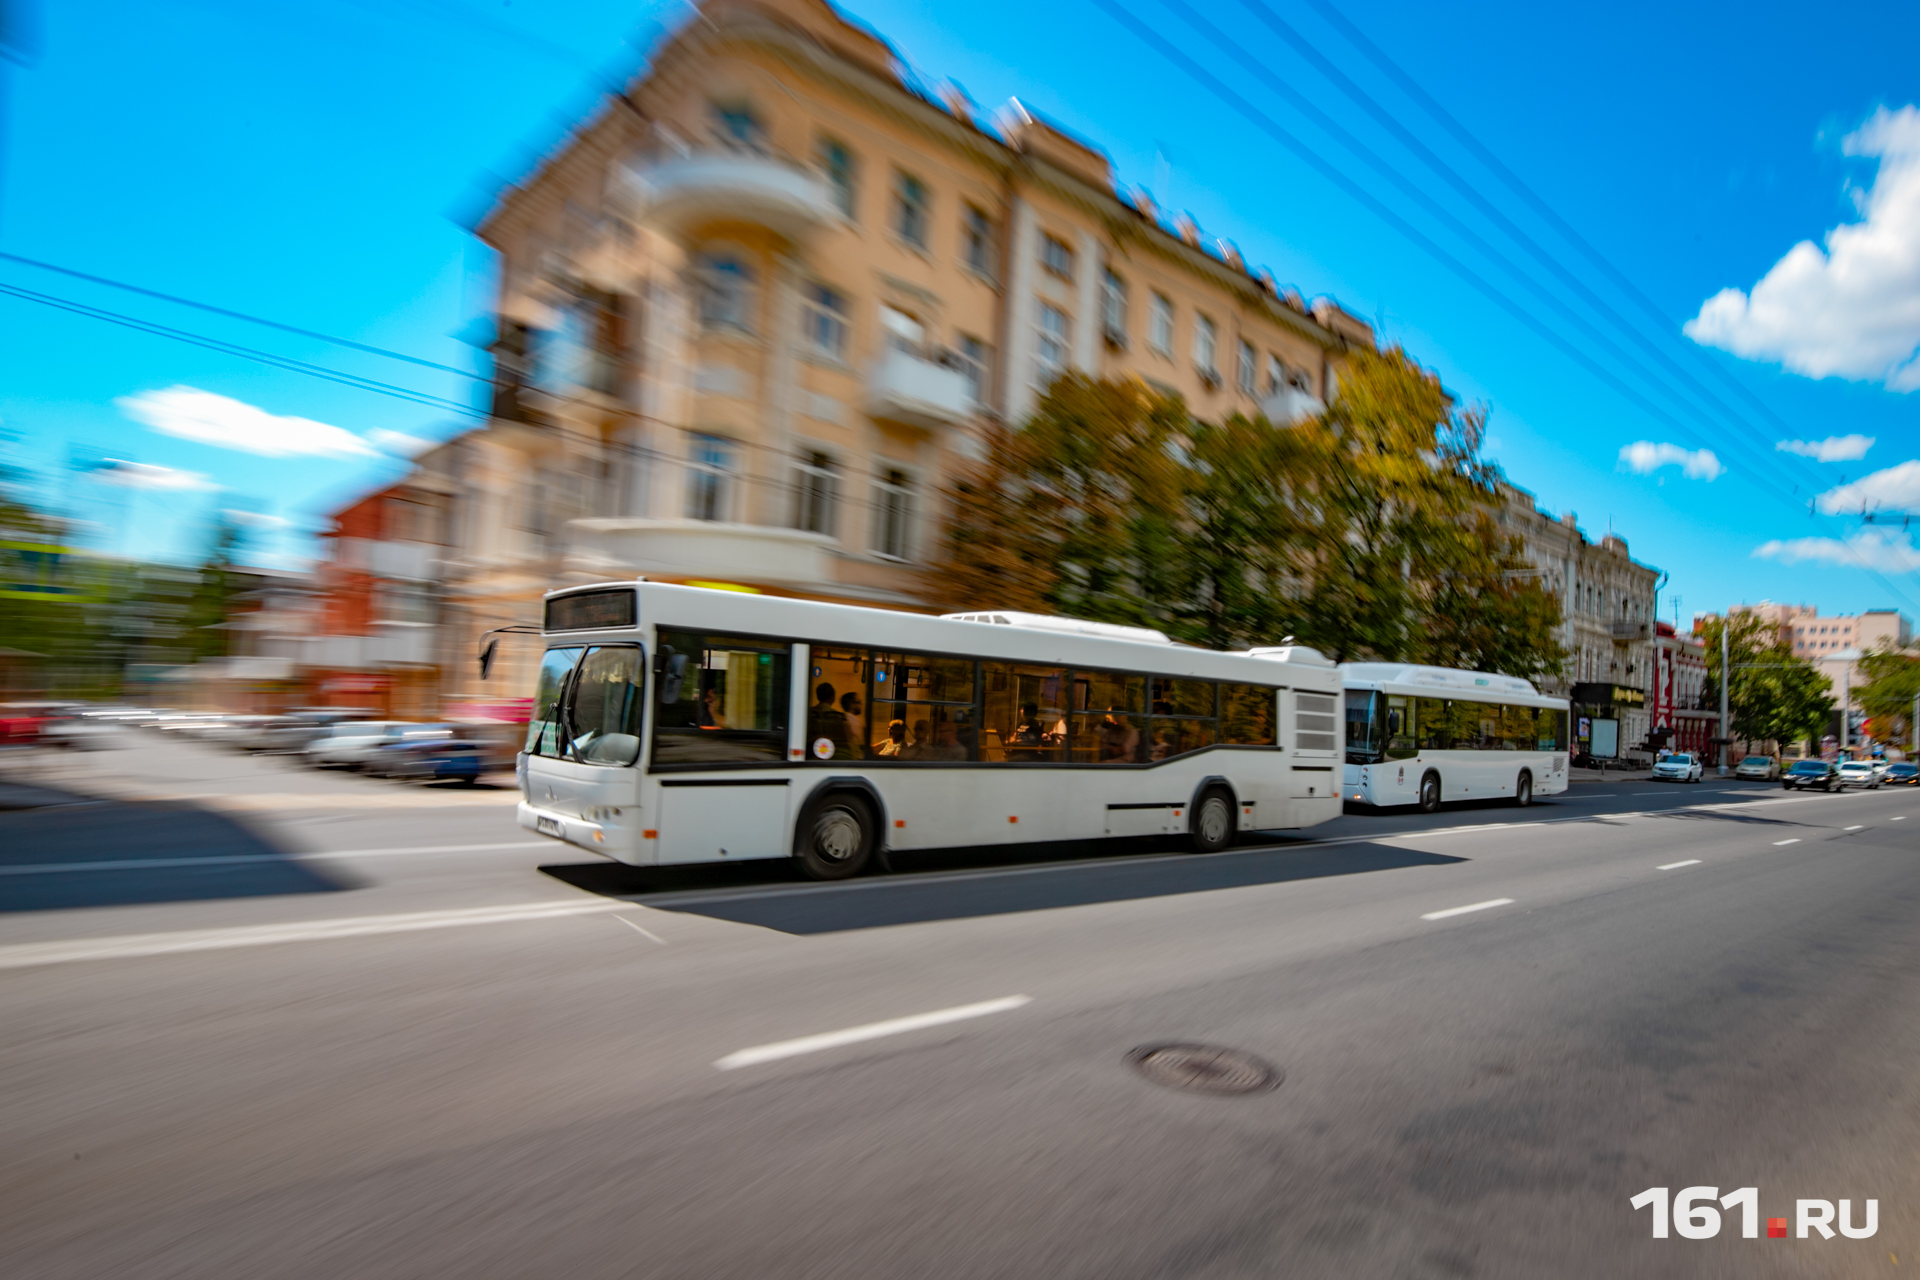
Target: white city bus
{"points": [[680, 724], [1422, 735]]}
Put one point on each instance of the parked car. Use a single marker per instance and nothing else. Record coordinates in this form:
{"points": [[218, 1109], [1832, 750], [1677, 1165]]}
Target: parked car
{"points": [[430, 760], [1808, 774], [349, 744], [1858, 773], [1681, 766], [1880, 767], [1903, 773], [1758, 768]]}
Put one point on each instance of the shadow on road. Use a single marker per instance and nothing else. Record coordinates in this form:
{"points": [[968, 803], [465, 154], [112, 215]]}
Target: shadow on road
{"points": [[771, 896], [50, 856]]}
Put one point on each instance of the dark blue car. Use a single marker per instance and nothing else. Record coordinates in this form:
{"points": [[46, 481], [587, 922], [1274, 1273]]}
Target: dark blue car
{"points": [[430, 760]]}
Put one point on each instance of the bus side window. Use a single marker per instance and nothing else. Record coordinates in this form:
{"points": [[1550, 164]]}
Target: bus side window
{"points": [[1430, 714]]}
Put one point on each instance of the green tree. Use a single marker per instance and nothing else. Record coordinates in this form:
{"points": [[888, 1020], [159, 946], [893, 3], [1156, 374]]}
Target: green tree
{"points": [[1893, 682], [1772, 696]]}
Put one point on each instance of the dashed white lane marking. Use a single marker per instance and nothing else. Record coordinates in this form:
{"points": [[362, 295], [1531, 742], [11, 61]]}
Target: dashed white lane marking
{"points": [[1794, 840], [132, 946], [1675, 866], [1898, 818], [242, 859], [1856, 827], [1460, 911], [871, 1031], [645, 933]]}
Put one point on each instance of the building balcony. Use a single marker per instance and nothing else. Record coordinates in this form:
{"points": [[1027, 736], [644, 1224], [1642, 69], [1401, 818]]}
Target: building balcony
{"points": [[1290, 405], [906, 388], [1623, 632], [680, 194]]}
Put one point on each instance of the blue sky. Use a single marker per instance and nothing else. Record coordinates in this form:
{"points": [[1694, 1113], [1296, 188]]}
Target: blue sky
{"points": [[315, 164]]}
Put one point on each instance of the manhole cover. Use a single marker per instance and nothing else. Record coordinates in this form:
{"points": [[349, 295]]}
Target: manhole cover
{"points": [[1205, 1068]]}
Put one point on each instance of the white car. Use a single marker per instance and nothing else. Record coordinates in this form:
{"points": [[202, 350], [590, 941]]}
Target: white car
{"points": [[1681, 766], [350, 744], [1757, 769], [1859, 773]]}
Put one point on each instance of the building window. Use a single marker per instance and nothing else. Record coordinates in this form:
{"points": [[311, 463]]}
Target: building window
{"points": [[976, 361], [726, 292], [1205, 340], [841, 171], [1050, 351], [1113, 309], [1056, 257], [978, 246], [816, 493], [1276, 375], [893, 515], [403, 602], [1160, 327], [904, 332], [1246, 368], [734, 124], [709, 478], [824, 320], [910, 210]]}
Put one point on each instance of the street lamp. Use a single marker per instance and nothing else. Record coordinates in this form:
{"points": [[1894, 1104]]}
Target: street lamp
{"points": [[1848, 656]]}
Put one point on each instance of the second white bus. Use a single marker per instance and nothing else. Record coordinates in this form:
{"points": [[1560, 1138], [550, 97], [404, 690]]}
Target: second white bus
{"points": [[1426, 735], [678, 725]]}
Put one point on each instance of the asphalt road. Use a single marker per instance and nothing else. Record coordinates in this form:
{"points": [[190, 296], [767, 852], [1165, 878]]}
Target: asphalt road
{"points": [[262, 1022]]}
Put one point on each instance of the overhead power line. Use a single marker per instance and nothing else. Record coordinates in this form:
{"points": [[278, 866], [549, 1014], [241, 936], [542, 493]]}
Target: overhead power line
{"points": [[241, 315], [1237, 50], [1466, 138], [1264, 13], [246, 353]]}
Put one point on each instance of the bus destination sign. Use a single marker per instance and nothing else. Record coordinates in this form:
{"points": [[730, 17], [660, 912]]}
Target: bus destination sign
{"points": [[591, 611]]}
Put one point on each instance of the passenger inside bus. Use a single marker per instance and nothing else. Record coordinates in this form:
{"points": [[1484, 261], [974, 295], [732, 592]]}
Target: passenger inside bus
{"points": [[896, 740], [824, 720]]}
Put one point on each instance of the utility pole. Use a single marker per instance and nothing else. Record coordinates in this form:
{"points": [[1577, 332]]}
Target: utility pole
{"points": [[1725, 674]]}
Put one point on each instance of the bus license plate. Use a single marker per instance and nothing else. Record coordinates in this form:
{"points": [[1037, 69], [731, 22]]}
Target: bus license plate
{"points": [[547, 826]]}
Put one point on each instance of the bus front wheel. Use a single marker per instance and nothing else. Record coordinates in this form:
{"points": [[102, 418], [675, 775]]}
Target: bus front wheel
{"points": [[1212, 827], [835, 839], [1430, 793], [1523, 790]]}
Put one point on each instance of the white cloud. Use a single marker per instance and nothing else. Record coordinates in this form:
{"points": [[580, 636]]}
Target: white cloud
{"points": [[398, 443], [1645, 457], [141, 475], [1887, 550], [226, 423], [255, 519], [1832, 449], [1852, 310], [1894, 489]]}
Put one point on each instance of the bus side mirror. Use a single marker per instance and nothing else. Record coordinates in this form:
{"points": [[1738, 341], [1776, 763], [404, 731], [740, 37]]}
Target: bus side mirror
{"points": [[486, 658]]}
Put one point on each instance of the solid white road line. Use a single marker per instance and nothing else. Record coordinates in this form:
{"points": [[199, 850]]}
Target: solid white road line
{"points": [[1778, 843], [1460, 911], [240, 859], [1675, 866], [871, 1031], [132, 946]]}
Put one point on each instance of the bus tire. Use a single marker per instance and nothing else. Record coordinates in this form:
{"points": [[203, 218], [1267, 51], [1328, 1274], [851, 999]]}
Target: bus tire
{"points": [[835, 837], [1430, 793], [1210, 829], [1523, 789]]}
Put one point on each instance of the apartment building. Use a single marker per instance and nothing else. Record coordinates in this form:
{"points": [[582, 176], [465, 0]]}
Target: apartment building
{"points": [[1683, 718], [1607, 605], [757, 310]]}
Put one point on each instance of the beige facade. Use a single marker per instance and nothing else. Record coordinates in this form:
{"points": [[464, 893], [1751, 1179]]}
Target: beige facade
{"points": [[1834, 642], [755, 313], [1608, 602]]}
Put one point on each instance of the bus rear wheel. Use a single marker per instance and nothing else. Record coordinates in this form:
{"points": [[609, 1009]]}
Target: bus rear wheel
{"points": [[1430, 793], [1212, 827], [835, 837], [1523, 790]]}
